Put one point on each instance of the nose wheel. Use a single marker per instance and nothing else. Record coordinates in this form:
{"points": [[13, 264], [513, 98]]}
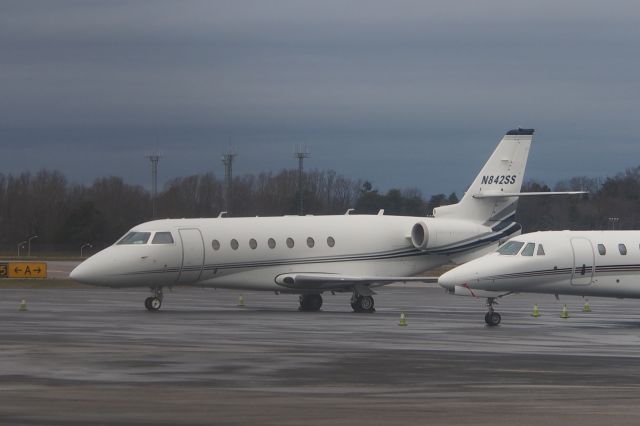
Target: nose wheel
{"points": [[153, 303], [492, 318]]}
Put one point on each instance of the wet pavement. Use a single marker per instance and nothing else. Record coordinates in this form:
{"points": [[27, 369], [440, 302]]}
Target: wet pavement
{"points": [[95, 356]]}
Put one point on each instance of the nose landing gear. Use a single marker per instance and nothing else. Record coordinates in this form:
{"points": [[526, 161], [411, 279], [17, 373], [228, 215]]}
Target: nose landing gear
{"points": [[153, 303], [492, 318]]}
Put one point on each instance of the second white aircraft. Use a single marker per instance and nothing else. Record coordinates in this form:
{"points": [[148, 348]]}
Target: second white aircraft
{"points": [[581, 263], [310, 255]]}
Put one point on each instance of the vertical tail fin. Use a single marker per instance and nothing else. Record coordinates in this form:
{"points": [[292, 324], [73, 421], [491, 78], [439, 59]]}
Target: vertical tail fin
{"points": [[503, 172]]}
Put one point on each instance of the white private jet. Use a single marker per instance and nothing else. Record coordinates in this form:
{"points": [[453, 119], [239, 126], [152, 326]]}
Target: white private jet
{"points": [[310, 255], [580, 263]]}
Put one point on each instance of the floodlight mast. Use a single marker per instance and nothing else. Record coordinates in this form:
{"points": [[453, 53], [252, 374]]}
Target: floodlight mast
{"points": [[154, 158], [227, 160], [29, 244], [301, 153]]}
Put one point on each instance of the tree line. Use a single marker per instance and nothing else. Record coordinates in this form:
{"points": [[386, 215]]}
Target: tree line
{"points": [[65, 216]]}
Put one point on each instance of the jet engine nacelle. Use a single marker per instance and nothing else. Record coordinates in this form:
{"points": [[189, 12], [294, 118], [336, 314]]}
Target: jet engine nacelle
{"points": [[433, 234]]}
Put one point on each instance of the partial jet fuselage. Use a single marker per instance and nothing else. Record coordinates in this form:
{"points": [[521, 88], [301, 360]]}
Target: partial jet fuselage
{"points": [[581, 263]]}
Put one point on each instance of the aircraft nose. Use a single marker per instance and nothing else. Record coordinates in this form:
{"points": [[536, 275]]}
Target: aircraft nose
{"points": [[449, 280], [86, 273]]}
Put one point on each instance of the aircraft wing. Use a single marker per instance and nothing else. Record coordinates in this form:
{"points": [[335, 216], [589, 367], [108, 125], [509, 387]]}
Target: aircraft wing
{"points": [[328, 282]]}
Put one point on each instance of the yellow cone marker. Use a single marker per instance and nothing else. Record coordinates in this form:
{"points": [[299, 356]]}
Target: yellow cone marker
{"points": [[586, 307], [403, 320], [536, 312], [241, 300], [565, 312], [23, 306]]}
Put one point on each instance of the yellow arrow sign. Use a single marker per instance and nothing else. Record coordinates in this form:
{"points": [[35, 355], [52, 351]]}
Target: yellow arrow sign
{"points": [[25, 269]]}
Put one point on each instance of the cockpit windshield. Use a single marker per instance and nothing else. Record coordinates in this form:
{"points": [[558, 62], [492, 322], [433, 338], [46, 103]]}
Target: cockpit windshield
{"points": [[511, 248], [135, 238], [162, 238]]}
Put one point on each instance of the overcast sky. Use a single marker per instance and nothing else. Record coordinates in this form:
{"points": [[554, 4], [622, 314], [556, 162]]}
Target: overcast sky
{"points": [[402, 93]]}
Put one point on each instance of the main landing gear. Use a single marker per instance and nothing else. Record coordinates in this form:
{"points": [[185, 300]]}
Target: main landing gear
{"points": [[492, 318], [153, 303], [361, 303], [310, 302]]}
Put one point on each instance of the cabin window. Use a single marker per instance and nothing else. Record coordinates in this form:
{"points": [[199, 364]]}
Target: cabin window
{"points": [[623, 249], [310, 242], [528, 249], [162, 238], [215, 244], [253, 244], [271, 243], [540, 250], [511, 248], [290, 242], [135, 238], [602, 249], [331, 242], [234, 244]]}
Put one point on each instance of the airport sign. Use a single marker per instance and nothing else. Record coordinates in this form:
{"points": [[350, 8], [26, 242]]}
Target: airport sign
{"points": [[23, 270]]}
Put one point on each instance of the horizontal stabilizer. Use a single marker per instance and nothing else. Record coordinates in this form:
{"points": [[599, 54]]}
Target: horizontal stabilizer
{"points": [[320, 281], [498, 194]]}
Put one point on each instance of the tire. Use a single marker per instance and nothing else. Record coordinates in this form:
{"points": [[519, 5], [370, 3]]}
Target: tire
{"points": [[494, 318], [315, 302], [364, 304], [155, 303], [310, 302], [147, 303]]}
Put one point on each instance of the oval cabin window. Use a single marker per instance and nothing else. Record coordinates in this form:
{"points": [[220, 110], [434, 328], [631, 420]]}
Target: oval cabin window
{"points": [[234, 244], [290, 243], [271, 243], [310, 242], [253, 244], [331, 242], [215, 244]]}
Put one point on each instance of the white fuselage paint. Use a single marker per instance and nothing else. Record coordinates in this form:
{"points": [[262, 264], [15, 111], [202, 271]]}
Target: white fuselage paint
{"points": [[369, 245], [571, 265]]}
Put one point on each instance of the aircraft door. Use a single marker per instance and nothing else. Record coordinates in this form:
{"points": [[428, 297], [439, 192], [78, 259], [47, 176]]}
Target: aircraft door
{"points": [[583, 261], [192, 255]]}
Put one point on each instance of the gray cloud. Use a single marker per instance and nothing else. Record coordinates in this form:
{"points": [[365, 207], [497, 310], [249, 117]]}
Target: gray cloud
{"points": [[409, 93]]}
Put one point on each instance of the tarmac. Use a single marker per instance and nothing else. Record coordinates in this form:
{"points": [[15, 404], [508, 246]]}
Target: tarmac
{"points": [[96, 356]]}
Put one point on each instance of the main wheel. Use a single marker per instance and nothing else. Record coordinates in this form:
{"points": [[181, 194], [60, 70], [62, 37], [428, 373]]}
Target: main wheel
{"points": [[147, 302], [310, 302], [363, 304]]}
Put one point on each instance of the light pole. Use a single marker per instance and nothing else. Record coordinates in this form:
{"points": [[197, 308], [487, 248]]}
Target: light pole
{"points": [[21, 244], [613, 221], [29, 244], [85, 246]]}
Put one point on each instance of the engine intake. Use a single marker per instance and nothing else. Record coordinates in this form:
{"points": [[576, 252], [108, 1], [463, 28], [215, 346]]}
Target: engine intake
{"points": [[427, 235]]}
